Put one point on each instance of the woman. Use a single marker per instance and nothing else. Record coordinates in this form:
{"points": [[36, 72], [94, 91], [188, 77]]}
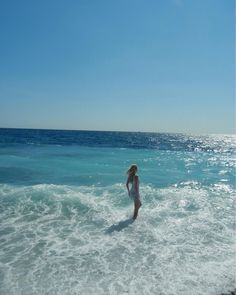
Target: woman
{"points": [[134, 191]]}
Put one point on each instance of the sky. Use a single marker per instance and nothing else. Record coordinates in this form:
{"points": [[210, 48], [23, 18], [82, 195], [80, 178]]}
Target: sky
{"points": [[122, 65]]}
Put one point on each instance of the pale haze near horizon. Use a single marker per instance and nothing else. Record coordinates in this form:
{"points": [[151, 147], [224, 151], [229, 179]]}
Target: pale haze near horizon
{"points": [[158, 66]]}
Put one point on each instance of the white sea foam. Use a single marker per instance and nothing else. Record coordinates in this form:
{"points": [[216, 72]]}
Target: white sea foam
{"points": [[57, 239]]}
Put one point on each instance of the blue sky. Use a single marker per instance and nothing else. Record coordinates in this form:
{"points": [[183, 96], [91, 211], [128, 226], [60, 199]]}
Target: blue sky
{"points": [[131, 65]]}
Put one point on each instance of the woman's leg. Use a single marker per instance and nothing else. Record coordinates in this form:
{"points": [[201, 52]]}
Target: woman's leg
{"points": [[137, 205]]}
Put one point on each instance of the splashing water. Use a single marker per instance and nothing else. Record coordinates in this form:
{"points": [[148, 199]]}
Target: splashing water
{"points": [[66, 227]]}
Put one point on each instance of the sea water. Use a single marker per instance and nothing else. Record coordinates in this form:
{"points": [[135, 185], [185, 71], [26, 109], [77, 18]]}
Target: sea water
{"points": [[66, 219]]}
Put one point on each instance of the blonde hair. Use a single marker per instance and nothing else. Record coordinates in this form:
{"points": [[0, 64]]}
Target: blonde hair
{"points": [[132, 171]]}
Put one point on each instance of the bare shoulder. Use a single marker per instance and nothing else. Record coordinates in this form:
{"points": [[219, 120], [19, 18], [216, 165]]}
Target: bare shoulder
{"points": [[136, 178]]}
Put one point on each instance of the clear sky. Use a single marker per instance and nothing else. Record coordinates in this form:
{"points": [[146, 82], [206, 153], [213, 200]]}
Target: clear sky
{"points": [[131, 65]]}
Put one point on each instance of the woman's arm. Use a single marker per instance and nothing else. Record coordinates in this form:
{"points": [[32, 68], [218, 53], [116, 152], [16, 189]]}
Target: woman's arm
{"points": [[127, 185]]}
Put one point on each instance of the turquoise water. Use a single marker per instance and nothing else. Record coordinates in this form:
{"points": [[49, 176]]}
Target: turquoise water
{"points": [[65, 217]]}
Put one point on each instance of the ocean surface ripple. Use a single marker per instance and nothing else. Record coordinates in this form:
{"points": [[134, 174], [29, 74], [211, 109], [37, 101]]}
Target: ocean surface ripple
{"points": [[65, 217]]}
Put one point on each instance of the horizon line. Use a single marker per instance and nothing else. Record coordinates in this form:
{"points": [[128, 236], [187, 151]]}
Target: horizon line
{"points": [[118, 131]]}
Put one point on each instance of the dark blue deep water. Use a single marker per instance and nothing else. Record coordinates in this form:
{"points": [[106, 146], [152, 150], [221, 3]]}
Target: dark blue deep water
{"points": [[135, 140]]}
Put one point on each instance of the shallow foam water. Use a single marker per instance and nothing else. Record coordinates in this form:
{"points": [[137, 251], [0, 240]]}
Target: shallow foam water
{"points": [[66, 227]]}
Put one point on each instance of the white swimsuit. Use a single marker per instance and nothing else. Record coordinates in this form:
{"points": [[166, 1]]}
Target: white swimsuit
{"points": [[133, 194]]}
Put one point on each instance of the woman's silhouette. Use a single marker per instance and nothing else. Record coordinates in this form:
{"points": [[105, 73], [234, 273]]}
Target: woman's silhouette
{"points": [[133, 192]]}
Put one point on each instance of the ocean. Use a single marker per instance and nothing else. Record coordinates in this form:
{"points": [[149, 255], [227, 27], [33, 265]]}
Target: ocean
{"points": [[66, 219]]}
